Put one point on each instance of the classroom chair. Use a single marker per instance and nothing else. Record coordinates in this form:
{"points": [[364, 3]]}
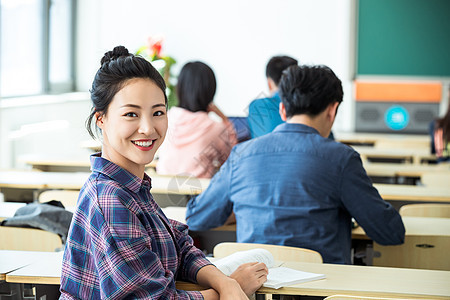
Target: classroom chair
{"points": [[425, 210], [67, 197], [280, 253], [28, 239], [418, 251]]}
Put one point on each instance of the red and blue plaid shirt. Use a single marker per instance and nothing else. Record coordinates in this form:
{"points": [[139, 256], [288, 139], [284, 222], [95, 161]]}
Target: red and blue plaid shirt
{"points": [[122, 246]]}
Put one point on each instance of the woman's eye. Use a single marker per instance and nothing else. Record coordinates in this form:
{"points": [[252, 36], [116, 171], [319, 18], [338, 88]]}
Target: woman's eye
{"points": [[130, 114], [158, 113]]}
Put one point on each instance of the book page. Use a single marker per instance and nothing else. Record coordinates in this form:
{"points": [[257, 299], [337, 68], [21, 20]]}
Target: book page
{"points": [[231, 262], [279, 277]]}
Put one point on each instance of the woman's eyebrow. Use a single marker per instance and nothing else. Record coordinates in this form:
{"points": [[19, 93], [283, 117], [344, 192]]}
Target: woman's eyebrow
{"points": [[131, 105], [159, 104]]}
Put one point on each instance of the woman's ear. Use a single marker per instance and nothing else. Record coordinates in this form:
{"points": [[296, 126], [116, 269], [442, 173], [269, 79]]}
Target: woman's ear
{"points": [[99, 119], [282, 111]]}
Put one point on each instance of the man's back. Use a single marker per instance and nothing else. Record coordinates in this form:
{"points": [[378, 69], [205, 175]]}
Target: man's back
{"points": [[293, 187]]}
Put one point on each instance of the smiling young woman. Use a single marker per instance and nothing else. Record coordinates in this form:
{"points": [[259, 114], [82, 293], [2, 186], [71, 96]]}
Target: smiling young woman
{"points": [[120, 243], [135, 125]]}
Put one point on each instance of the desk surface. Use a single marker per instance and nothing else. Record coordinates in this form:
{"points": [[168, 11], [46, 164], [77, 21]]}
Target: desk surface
{"points": [[178, 185], [369, 281], [372, 138], [340, 279], [416, 226], [413, 193], [50, 164], [13, 260], [363, 281], [415, 156], [45, 269], [406, 170]]}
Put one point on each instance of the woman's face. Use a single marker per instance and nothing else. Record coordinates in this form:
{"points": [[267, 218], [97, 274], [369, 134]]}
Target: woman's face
{"points": [[134, 126]]}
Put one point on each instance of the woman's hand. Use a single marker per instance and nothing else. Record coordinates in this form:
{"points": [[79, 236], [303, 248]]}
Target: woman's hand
{"points": [[250, 276]]}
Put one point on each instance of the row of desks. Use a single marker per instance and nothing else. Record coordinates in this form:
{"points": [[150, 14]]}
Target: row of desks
{"points": [[43, 269], [193, 186], [74, 181]]}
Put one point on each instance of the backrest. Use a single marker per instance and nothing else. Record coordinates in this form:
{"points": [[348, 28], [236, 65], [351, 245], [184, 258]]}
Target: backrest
{"points": [[67, 197], [418, 251], [425, 210], [280, 253], [28, 239]]}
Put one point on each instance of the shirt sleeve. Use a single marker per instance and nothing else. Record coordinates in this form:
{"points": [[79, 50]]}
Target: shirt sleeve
{"points": [[192, 258], [126, 264], [211, 208], [381, 222]]}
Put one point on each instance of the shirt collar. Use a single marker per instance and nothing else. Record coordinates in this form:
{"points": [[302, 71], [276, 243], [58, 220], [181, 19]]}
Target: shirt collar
{"points": [[119, 174], [295, 127]]}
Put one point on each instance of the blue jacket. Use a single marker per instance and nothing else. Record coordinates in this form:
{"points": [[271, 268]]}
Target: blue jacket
{"points": [[293, 187]]}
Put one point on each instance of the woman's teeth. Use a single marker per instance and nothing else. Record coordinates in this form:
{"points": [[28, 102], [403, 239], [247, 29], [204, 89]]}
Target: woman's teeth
{"points": [[143, 144]]}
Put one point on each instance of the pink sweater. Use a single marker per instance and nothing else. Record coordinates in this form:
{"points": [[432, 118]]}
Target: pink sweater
{"points": [[195, 144]]}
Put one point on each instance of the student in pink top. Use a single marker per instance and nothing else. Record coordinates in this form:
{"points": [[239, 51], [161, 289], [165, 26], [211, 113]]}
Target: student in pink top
{"points": [[195, 145]]}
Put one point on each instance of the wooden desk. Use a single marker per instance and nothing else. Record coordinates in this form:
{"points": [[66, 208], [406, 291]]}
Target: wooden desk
{"points": [[43, 273], [413, 193], [358, 138], [13, 260], [177, 185], [43, 270], [369, 281], [66, 165], [402, 170], [408, 155], [340, 279], [362, 281], [416, 226]]}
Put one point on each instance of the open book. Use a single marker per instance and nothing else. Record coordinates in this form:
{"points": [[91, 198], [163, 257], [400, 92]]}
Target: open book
{"points": [[277, 277]]}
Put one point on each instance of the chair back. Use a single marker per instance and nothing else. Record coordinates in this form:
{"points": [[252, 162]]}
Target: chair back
{"points": [[425, 210], [418, 252], [280, 253], [28, 239], [67, 197]]}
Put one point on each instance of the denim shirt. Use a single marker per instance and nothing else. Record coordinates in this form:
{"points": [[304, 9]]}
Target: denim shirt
{"points": [[293, 187]]}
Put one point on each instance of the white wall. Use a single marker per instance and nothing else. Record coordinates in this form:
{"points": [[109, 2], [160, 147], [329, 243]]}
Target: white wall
{"points": [[236, 38], [43, 127]]}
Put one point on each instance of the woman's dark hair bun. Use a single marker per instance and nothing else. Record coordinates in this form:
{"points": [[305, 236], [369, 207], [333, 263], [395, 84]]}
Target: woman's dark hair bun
{"points": [[114, 54]]}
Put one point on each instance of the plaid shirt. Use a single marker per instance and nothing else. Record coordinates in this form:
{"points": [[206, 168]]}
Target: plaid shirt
{"points": [[122, 246]]}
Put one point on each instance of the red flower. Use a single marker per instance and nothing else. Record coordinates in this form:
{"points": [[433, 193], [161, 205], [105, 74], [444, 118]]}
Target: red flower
{"points": [[155, 46]]}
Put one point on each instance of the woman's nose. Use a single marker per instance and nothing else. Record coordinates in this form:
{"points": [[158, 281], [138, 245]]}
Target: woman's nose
{"points": [[146, 126]]}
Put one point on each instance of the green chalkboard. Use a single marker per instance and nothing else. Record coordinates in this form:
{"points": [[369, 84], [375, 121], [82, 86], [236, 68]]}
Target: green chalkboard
{"points": [[403, 37]]}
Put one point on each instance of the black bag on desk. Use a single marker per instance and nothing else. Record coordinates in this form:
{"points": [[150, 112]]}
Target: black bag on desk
{"points": [[50, 216]]}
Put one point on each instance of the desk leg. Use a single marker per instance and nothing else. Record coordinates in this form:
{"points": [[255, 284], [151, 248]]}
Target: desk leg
{"points": [[47, 291]]}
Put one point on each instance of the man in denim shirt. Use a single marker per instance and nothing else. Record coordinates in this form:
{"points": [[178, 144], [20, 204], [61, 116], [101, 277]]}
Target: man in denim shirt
{"points": [[294, 186]]}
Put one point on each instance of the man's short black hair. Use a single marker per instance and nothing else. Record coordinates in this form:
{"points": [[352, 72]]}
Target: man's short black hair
{"points": [[277, 65], [309, 89]]}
